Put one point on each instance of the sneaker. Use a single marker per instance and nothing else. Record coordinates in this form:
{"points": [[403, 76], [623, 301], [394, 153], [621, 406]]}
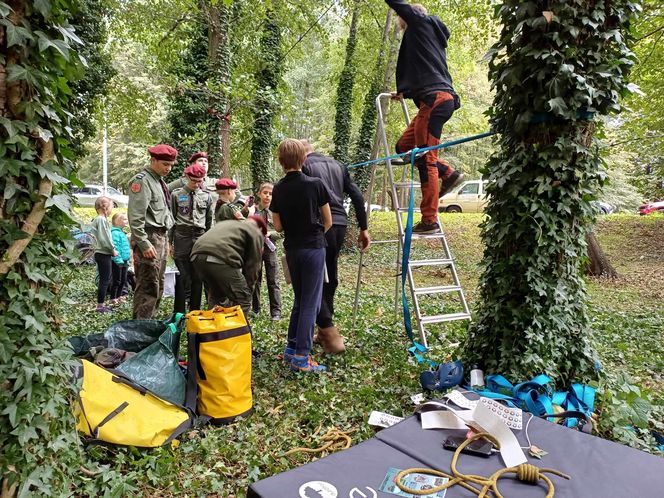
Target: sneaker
{"points": [[301, 363], [287, 355], [450, 182], [276, 317], [424, 227], [103, 309]]}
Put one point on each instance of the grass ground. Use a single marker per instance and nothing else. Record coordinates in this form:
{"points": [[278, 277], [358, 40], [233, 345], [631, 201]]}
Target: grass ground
{"points": [[376, 374]]}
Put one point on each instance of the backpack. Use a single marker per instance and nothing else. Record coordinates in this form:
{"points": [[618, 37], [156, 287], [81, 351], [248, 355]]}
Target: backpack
{"points": [[219, 364]]}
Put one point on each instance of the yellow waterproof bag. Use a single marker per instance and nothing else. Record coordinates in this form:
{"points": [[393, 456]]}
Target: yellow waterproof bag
{"points": [[113, 409], [219, 364]]}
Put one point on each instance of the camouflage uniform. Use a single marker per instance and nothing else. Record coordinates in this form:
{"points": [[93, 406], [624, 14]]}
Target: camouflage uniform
{"points": [[150, 219], [193, 211], [227, 211]]}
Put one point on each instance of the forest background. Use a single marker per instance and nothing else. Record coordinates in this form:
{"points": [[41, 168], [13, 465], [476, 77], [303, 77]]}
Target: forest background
{"points": [[282, 69]]}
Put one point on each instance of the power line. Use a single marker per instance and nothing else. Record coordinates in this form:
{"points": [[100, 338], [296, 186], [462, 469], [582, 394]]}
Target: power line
{"points": [[306, 32]]}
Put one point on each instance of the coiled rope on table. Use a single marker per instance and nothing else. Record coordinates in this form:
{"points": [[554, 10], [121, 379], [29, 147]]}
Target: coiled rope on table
{"points": [[524, 472]]}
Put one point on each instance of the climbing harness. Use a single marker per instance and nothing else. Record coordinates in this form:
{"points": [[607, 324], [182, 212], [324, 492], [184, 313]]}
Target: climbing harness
{"points": [[524, 472]]}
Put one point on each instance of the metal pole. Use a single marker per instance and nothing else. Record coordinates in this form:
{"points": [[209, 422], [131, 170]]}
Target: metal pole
{"points": [[104, 157]]}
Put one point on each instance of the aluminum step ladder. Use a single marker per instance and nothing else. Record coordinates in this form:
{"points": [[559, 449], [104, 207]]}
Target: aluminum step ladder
{"points": [[400, 189]]}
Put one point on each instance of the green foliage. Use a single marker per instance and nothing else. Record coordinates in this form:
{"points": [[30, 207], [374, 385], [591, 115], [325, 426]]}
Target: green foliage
{"points": [[41, 57], [532, 316], [266, 104], [344, 118]]}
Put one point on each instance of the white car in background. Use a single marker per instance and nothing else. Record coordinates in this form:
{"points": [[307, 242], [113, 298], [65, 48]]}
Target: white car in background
{"points": [[470, 197], [87, 195]]}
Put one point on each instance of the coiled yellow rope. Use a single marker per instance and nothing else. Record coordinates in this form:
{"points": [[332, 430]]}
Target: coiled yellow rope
{"points": [[524, 472], [336, 440]]}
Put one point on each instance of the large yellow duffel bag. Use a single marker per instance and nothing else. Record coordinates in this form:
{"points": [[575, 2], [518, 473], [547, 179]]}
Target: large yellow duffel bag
{"points": [[219, 364], [113, 409]]}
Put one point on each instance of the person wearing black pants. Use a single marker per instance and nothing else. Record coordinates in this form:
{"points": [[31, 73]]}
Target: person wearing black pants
{"points": [[104, 249], [336, 178], [104, 269]]}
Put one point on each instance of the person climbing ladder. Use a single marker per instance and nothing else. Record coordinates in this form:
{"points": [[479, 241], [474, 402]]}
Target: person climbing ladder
{"points": [[423, 76]]}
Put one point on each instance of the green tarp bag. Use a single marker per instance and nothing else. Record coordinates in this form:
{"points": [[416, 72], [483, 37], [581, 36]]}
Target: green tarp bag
{"points": [[156, 367]]}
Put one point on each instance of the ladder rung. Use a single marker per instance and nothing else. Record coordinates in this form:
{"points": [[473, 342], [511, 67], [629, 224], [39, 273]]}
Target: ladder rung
{"points": [[438, 289], [438, 235], [445, 318], [407, 184], [405, 210], [429, 262]]}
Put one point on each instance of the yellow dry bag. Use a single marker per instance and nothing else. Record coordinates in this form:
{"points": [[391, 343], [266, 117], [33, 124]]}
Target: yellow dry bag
{"points": [[113, 409], [219, 364]]}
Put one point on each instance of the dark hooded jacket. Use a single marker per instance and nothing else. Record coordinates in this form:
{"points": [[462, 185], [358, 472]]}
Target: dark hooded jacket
{"points": [[422, 64]]}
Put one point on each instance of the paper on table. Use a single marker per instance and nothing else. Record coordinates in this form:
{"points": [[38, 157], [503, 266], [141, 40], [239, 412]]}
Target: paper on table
{"points": [[460, 400], [441, 419], [381, 419], [489, 422]]}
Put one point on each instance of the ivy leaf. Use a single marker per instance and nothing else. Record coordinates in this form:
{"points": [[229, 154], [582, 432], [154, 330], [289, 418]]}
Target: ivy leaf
{"points": [[558, 106], [43, 7], [5, 9], [61, 201]]}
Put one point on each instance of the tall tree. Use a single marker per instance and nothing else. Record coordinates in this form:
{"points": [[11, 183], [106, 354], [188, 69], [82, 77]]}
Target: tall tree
{"points": [[343, 117], [266, 101], [40, 59], [219, 75], [569, 62]]}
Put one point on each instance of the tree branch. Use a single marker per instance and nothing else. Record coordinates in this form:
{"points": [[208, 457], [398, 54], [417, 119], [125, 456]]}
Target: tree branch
{"points": [[35, 217]]}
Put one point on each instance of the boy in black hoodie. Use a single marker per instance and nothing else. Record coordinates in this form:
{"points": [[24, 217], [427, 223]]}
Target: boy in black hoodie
{"points": [[422, 75]]}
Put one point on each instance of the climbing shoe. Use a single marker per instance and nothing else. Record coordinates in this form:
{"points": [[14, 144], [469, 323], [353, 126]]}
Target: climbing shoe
{"points": [[425, 227], [301, 363], [450, 182]]}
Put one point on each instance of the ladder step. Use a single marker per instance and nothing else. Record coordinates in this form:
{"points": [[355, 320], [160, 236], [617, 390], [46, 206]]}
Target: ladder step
{"points": [[438, 235], [405, 210], [450, 317], [438, 289], [430, 262], [406, 184]]}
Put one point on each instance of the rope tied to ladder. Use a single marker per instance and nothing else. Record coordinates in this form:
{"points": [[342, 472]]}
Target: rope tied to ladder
{"points": [[525, 472]]}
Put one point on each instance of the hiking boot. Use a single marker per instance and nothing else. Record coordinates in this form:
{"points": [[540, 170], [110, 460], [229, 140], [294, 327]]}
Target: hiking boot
{"points": [[331, 340], [301, 363], [450, 182], [425, 227]]}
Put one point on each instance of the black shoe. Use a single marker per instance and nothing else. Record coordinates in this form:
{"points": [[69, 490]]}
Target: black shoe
{"points": [[450, 182], [424, 227]]}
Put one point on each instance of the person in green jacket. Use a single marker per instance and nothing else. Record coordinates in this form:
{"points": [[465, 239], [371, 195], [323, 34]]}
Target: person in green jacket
{"points": [[123, 258], [104, 249], [227, 259]]}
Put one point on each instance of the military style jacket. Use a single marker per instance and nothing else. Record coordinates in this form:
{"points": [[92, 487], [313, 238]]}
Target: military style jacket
{"points": [[227, 211], [192, 208], [267, 215], [148, 207]]}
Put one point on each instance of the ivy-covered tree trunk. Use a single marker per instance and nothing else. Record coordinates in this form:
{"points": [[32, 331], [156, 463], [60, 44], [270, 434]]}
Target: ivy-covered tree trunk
{"points": [[37, 436], [219, 77], [557, 67], [266, 103], [188, 104], [343, 118]]}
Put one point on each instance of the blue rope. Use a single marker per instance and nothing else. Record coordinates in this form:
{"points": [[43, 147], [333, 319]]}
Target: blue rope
{"points": [[417, 349], [444, 145]]}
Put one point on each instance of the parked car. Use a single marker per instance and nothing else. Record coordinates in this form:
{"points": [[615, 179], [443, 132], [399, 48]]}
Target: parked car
{"points": [[88, 194], [374, 207], [470, 197], [652, 207], [602, 207]]}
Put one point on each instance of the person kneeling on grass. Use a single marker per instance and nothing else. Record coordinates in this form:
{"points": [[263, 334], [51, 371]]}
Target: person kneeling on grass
{"points": [[301, 208], [227, 258]]}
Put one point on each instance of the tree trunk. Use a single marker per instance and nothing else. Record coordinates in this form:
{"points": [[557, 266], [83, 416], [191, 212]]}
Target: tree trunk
{"points": [[265, 106], [218, 17], [343, 118], [599, 266]]}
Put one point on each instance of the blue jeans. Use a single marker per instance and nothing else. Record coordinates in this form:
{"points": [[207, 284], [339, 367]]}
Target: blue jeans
{"points": [[306, 267]]}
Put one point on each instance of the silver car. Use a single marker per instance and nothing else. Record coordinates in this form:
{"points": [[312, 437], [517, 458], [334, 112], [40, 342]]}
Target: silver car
{"points": [[88, 194]]}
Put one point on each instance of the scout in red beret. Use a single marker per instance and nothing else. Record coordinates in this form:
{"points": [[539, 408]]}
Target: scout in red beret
{"points": [[163, 152], [225, 184], [195, 171], [196, 156]]}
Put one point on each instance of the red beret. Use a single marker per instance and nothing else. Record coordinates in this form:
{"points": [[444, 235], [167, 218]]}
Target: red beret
{"points": [[260, 221], [224, 184], [195, 171], [197, 155], [163, 152]]}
